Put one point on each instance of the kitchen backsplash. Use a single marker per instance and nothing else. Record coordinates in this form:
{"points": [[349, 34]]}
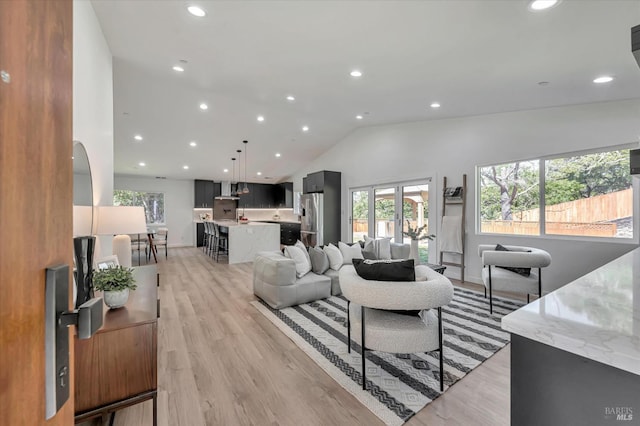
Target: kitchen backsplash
{"points": [[268, 214]]}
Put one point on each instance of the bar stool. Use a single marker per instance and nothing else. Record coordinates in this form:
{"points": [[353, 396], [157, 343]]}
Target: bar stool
{"points": [[206, 240], [221, 242]]}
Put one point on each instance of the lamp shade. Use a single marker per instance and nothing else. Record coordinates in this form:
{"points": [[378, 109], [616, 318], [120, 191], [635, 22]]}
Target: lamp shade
{"points": [[82, 216], [116, 220]]}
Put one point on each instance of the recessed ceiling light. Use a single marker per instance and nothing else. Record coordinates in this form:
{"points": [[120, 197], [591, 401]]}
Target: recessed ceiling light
{"points": [[278, 154], [291, 98], [260, 118], [138, 137], [193, 143], [185, 167], [196, 11], [305, 128], [603, 79], [355, 73], [259, 173], [178, 68], [358, 117], [141, 164], [226, 170], [435, 105], [204, 106], [542, 4]]}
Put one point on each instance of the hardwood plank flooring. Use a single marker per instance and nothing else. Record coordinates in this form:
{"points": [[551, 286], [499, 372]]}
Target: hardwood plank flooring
{"points": [[220, 362]]}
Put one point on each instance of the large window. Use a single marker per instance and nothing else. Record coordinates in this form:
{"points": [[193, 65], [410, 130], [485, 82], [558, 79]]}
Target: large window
{"points": [[153, 203], [588, 195]]}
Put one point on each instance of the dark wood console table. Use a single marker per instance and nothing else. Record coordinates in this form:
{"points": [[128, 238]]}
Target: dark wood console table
{"points": [[118, 366]]}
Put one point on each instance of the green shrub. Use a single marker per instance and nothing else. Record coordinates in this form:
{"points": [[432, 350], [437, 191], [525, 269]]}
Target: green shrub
{"points": [[114, 279]]}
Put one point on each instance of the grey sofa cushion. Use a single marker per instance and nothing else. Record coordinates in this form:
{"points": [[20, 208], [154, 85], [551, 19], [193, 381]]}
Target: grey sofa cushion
{"points": [[335, 281], [319, 260]]}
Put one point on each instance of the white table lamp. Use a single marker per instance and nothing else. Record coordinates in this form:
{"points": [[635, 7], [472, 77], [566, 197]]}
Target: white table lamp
{"points": [[121, 221], [82, 216]]}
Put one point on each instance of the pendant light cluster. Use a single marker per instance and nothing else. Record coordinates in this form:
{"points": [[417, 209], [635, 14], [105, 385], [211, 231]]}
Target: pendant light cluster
{"points": [[244, 190]]}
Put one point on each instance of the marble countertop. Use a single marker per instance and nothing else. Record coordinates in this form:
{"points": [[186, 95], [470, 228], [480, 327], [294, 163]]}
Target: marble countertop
{"points": [[234, 223], [596, 316]]}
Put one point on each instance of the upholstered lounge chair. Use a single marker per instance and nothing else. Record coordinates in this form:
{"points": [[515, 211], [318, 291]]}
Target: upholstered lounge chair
{"points": [[495, 277], [375, 328]]}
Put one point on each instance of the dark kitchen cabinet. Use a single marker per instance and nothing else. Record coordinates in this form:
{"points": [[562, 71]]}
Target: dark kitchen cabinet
{"points": [[264, 196], [204, 193], [283, 195], [199, 234], [289, 233], [246, 200], [318, 181]]}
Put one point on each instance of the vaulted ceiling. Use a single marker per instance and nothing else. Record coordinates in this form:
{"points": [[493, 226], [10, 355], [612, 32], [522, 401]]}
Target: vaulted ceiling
{"points": [[245, 57]]}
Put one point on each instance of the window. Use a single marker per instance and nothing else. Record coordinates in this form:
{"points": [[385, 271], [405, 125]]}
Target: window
{"points": [[153, 203], [587, 195]]}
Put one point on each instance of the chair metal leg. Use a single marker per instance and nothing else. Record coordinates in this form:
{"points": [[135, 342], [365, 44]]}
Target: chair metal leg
{"points": [[348, 327], [490, 293], [441, 349], [539, 283], [362, 349], [485, 292], [527, 297]]}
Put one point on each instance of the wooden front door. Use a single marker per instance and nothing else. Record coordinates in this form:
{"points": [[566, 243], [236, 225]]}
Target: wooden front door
{"points": [[35, 194]]}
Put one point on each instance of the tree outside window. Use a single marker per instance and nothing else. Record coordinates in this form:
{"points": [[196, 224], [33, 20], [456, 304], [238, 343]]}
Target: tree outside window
{"points": [[153, 203], [585, 195]]}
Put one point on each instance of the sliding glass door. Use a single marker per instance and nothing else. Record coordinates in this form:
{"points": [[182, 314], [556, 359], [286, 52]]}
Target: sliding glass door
{"points": [[382, 211], [359, 215], [385, 212], [415, 213]]}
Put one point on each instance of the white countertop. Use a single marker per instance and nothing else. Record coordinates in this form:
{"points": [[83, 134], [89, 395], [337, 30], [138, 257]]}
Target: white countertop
{"points": [[596, 316], [234, 223]]}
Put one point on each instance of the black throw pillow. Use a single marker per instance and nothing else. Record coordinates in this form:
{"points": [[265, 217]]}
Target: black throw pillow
{"points": [[525, 272], [385, 270]]}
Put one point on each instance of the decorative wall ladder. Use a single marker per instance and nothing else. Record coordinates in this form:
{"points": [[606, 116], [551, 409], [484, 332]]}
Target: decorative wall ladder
{"points": [[451, 198]]}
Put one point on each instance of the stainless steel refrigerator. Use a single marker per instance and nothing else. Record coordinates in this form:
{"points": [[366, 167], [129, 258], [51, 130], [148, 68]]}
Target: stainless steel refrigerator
{"points": [[312, 219]]}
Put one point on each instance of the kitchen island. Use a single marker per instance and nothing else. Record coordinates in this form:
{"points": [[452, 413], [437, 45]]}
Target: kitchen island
{"points": [[575, 353], [246, 240]]}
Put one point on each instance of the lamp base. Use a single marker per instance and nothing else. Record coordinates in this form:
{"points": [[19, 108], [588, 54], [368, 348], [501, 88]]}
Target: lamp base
{"points": [[122, 249]]}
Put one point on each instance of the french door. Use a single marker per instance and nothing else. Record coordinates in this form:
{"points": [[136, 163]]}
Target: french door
{"points": [[386, 211]]}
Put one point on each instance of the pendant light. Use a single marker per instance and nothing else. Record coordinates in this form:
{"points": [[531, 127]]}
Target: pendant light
{"points": [[239, 191], [233, 175], [245, 190]]}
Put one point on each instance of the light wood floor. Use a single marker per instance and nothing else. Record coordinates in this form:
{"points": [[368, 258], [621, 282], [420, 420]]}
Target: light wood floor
{"points": [[222, 363]]}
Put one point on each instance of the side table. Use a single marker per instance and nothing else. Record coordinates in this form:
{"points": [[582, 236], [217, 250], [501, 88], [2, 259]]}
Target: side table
{"points": [[118, 367], [438, 268]]}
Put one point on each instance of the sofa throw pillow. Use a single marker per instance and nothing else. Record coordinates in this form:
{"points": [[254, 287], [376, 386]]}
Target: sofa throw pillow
{"points": [[319, 260], [334, 255], [349, 252], [525, 272], [304, 250], [385, 270], [302, 266], [379, 248]]}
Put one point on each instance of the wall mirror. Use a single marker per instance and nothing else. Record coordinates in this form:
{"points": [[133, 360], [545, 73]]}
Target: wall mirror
{"points": [[82, 192]]}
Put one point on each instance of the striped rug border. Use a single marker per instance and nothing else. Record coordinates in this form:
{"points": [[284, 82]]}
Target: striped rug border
{"points": [[470, 331]]}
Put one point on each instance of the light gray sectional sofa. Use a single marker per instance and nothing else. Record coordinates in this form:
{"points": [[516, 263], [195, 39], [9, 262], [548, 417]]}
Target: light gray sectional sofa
{"points": [[275, 280]]}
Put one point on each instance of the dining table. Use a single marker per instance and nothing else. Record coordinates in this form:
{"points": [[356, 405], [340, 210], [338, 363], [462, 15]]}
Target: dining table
{"points": [[151, 233]]}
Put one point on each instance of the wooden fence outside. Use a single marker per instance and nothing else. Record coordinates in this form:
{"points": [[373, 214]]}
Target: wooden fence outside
{"points": [[514, 227]]}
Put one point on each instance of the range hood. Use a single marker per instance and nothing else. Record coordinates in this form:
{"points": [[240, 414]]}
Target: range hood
{"points": [[225, 191], [635, 42]]}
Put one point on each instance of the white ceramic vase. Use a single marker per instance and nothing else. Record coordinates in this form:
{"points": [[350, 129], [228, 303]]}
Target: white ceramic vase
{"points": [[116, 299], [414, 253]]}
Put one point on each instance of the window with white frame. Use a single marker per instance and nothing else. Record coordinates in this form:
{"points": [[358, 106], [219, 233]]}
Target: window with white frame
{"points": [[153, 203], [585, 195]]}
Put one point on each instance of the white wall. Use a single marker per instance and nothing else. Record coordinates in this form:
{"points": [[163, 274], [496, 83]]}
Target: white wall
{"points": [[453, 147], [178, 204], [93, 103]]}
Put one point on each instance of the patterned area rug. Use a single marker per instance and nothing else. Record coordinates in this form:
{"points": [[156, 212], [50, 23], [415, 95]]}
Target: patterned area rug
{"points": [[399, 385]]}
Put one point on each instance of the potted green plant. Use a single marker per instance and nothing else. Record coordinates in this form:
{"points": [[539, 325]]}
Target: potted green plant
{"points": [[115, 282], [416, 234]]}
